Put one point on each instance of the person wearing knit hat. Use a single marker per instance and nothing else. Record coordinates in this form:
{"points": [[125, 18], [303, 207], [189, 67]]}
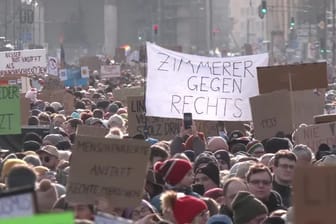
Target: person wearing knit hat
{"points": [[223, 158], [219, 219], [46, 194], [8, 165], [215, 193], [175, 172], [21, 176], [32, 160], [203, 159], [31, 145], [208, 176], [255, 148], [217, 143], [52, 139], [196, 142], [32, 136], [247, 209], [183, 209]]}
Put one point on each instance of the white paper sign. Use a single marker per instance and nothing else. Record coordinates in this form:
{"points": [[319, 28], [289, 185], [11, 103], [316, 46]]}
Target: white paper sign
{"points": [[52, 66], [110, 71], [85, 72], [17, 205], [24, 62], [209, 88]]}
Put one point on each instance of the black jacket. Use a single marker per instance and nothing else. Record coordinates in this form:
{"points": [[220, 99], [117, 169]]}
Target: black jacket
{"points": [[285, 192], [274, 202]]}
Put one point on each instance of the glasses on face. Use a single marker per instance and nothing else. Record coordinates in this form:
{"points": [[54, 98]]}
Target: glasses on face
{"points": [[45, 158], [258, 182], [286, 166]]}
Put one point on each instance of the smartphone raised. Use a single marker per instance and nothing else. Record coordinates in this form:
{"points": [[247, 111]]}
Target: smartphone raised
{"points": [[187, 120]]}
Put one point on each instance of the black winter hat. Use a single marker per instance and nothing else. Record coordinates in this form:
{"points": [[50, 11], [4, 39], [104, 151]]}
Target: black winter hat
{"points": [[274, 144], [212, 171]]}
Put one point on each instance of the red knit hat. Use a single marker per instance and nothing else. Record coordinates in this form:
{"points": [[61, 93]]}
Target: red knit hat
{"points": [[173, 170], [186, 208], [190, 139]]}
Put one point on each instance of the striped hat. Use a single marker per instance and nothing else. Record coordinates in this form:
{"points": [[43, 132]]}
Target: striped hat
{"points": [[173, 170]]}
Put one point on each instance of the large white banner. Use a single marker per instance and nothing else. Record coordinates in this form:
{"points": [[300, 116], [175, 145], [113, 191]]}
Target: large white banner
{"points": [[24, 62], [209, 88]]}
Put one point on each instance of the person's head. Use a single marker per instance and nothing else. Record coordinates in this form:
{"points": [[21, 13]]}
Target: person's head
{"points": [[21, 176], [44, 118], [175, 172], [71, 125], [255, 149], [181, 209], [49, 156], [259, 181], [217, 194], [208, 176], [212, 205], [266, 158], [143, 209], [247, 209], [83, 211], [58, 120], [33, 120], [283, 168], [304, 155], [98, 113], [223, 159], [157, 153], [230, 189]]}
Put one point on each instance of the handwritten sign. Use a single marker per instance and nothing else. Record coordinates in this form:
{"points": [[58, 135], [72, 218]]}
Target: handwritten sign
{"points": [[314, 195], [160, 128], [61, 96], [114, 170], [10, 115], [210, 88], [315, 135], [17, 203], [52, 218], [110, 71], [24, 62]]}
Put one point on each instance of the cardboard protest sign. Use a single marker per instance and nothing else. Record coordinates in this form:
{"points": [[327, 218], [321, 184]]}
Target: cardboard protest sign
{"points": [[52, 83], [18, 203], [23, 62], [25, 109], [277, 117], [160, 128], [62, 96], [315, 135], [10, 113], [209, 128], [122, 94], [51, 218], [110, 71], [114, 170], [210, 88], [314, 191], [85, 130], [292, 77], [92, 62]]}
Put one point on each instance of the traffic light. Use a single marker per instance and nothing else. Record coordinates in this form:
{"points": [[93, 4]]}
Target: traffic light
{"points": [[156, 29], [292, 23], [263, 7]]}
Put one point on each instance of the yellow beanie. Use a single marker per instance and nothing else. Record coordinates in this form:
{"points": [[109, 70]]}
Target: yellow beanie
{"points": [[9, 164]]}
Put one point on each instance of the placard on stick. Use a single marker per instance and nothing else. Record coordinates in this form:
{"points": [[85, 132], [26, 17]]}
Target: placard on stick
{"points": [[10, 113], [107, 169], [17, 203], [314, 195], [315, 135]]}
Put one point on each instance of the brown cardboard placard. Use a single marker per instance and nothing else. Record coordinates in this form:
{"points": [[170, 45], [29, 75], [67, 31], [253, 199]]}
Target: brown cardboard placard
{"points": [[271, 113], [107, 169], [314, 192], [62, 96], [314, 135], [25, 109], [302, 76], [122, 94], [92, 62], [209, 128], [160, 128], [324, 118], [86, 130]]}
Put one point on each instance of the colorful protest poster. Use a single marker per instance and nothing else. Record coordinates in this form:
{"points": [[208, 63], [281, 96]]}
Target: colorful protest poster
{"points": [[85, 72], [210, 88], [10, 113], [17, 203], [114, 171], [52, 68], [314, 192], [74, 78], [51, 218], [23, 62]]}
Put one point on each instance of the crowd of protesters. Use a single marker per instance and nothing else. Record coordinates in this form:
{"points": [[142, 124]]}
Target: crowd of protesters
{"points": [[192, 178]]}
